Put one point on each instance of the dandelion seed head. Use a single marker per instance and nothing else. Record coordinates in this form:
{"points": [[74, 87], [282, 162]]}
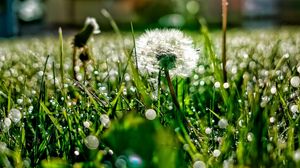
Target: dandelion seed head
{"points": [[91, 142], [295, 81], [298, 69], [92, 21], [167, 48], [272, 119], [87, 124], [150, 114], [199, 164], [15, 115]]}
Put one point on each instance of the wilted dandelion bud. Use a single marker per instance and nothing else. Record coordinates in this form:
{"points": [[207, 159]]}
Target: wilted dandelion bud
{"points": [[199, 164], [105, 121], [150, 114], [84, 55], [223, 123], [167, 49], [91, 26], [295, 81], [15, 115], [91, 142]]}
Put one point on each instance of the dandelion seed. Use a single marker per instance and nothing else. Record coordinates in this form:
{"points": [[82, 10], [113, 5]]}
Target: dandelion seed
{"points": [[105, 121], [216, 153], [199, 164], [223, 123], [295, 81], [150, 114], [168, 49], [15, 115], [91, 142]]}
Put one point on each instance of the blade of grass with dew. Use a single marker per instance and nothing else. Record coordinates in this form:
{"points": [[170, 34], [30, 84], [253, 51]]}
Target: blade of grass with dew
{"points": [[139, 84], [53, 119], [61, 56]]}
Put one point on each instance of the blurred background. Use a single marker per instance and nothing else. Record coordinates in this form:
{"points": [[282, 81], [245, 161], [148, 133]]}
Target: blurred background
{"points": [[28, 17]]}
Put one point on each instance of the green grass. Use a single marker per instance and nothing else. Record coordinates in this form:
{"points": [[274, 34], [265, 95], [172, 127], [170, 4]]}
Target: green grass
{"points": [[260, 106]]}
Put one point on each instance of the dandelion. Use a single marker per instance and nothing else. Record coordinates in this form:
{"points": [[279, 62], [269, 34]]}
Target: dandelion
{"points": [[167, 49], [80, 41], [150, 114]]}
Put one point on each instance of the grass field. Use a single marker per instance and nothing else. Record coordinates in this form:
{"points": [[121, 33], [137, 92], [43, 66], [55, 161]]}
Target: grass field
{"points": [[114, 116]]}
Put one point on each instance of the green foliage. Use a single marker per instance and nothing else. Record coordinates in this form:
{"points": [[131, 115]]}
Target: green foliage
{"points": [[251, 121]]}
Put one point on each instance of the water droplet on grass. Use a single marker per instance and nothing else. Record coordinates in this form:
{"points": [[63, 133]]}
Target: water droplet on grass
{"points": [[216, 153], [15, 115], [91, 142], [150, 114], [223, 123], [295, 81], [199, 164]]}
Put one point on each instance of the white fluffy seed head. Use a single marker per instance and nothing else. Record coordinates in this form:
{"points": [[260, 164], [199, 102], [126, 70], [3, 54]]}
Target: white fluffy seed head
{"points": [[150, 114], [295, 81], [154, 45], [7, 122], [92, 21], [273, 89]]}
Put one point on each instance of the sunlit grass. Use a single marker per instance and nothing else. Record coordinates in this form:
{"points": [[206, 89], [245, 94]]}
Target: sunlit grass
{"points": [[50, 119]]}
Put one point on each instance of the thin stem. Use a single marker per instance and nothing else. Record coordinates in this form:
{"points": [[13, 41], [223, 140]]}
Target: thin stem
{"points": [[172, 91], [74, 63], [224, 27]]}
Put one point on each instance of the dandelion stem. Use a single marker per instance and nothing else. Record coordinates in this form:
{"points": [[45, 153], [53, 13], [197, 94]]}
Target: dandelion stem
{"points": [[172, 91], [224, 27]]}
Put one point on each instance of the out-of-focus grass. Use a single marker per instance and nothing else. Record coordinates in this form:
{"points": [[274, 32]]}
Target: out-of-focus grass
{"points": [[251, 121]]}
